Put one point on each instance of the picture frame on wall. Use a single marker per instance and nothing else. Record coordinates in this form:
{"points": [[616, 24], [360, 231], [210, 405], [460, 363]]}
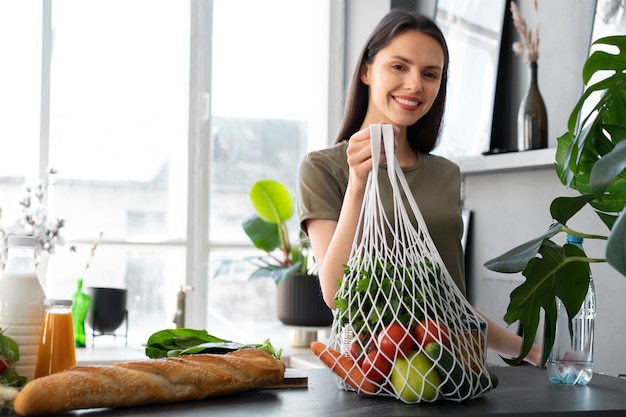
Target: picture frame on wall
{"points": [[609, 19], [473, 31]]}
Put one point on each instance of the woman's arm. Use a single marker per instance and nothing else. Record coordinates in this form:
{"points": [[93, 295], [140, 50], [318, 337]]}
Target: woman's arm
{"points": [[509, 344], [331, 240]]}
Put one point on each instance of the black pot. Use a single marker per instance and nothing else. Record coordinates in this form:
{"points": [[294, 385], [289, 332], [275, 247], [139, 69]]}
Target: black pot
{"points": [[300, 302], [107, 311]]}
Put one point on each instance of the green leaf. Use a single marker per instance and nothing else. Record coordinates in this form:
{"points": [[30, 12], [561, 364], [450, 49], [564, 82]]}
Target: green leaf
{"points": [[9, 348], [616, 245], [539, 273], [561, 272], [601, 60], [272, 201], [611, 84], [10, 352], [264, 235], [161, 342], [572, 279], [213, 347], [341, 303], [530, 297], [607, 219], [563, 208], [276, 272], [562, 156], [608, 168], [515, 260], [177, 342]]}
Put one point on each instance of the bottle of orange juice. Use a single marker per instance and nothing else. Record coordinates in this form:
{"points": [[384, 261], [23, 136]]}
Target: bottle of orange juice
{"points": [[57, 350]]}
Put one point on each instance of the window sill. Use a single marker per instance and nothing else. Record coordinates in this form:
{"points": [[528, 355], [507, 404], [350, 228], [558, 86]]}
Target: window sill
{"points": [[109, 353], [508, 162]]}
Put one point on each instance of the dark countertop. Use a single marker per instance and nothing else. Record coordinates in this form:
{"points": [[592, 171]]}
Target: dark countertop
{"points": [[522, 391]]}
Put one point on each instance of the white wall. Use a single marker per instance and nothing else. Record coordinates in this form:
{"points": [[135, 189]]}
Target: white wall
{"points": [[511, 208]]}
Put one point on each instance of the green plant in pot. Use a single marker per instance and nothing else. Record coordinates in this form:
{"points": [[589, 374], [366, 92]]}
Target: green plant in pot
{"points": [[299, 296], [591, 159]]}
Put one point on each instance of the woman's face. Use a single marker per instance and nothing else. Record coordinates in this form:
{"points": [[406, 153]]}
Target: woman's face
{"points": [[403, 79]]}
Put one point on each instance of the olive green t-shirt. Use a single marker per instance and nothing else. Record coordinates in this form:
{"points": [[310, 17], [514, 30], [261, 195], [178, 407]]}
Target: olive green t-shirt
{"points": [[434, 182]]}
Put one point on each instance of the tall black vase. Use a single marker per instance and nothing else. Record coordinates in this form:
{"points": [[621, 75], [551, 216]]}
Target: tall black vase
{"points": [[532, 118], [300, 302]]}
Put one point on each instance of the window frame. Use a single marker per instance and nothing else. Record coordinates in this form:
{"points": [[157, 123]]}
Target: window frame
{"points": [[197, 244]]}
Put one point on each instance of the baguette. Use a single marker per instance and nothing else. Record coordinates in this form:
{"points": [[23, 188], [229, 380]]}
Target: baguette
{"points": [[150, 381]]}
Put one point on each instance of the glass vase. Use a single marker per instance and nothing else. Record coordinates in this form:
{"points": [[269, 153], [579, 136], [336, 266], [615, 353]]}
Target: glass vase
{"points": [[80, 306], [532, 118]]}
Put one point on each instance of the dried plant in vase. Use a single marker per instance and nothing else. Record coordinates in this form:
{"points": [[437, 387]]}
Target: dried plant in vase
{"points": [[532, 116], [530, 39]]}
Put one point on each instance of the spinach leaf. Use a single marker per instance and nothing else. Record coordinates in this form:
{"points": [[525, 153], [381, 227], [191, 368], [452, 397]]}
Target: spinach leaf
{"points": [[177, 342], [9, 354]]}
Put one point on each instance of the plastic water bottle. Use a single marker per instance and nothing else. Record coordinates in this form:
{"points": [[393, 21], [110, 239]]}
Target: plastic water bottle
{"points": [[22, 302], [571, 360]]}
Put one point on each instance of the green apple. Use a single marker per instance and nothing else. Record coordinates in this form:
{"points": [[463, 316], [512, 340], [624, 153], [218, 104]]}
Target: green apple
{"points": [[415, 378]]}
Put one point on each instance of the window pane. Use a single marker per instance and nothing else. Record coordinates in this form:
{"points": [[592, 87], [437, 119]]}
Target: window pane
{"points": [[270, 105], [118, 139], [269, 100], [20, 80]]}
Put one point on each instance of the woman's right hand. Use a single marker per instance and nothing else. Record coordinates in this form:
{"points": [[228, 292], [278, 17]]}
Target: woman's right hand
{"points": [[359, 154]]}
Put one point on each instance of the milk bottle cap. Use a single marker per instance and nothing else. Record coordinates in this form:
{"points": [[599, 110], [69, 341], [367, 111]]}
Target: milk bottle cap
{"points": [[26, 241]]}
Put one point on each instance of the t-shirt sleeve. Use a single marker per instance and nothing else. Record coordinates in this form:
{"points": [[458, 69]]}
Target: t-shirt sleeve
{"points": [[320, 190]]}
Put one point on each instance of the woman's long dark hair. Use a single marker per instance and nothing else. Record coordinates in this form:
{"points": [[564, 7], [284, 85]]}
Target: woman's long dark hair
{"points": [[424, 133]]}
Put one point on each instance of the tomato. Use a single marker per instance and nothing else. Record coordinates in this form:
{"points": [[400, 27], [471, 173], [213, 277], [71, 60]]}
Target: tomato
{"points": [[429, 330], [355, 350], [376, 366], [360, 344], [395, 340]]}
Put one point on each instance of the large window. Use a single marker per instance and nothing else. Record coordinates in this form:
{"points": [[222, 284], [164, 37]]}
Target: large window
{"points": [[110, 111], [269, 107]]}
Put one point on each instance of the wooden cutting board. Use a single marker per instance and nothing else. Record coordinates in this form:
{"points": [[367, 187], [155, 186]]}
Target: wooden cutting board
{"points": [[293, 379]]}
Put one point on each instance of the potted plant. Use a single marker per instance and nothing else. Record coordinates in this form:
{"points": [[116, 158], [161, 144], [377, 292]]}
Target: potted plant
{"points": [[299, 298], [590, 158]]}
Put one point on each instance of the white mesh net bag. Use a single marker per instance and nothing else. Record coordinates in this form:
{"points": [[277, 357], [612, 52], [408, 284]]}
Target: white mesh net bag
{"points": [[402, 328]]}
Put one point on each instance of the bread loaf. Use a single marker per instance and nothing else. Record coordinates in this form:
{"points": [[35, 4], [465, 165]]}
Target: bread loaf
{"points": [[150, 381]]}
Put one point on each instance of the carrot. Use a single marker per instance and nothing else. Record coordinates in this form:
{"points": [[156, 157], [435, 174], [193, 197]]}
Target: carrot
{"points": [[344, 367]]}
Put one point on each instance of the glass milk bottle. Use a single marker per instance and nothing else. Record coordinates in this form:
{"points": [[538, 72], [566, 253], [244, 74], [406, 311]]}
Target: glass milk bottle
{"points": [[571, 359], [22, 302]]}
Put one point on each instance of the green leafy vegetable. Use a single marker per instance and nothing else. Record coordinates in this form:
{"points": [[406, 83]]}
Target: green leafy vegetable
{"points": [[378, 293], [177, 342], [9, 354]]}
